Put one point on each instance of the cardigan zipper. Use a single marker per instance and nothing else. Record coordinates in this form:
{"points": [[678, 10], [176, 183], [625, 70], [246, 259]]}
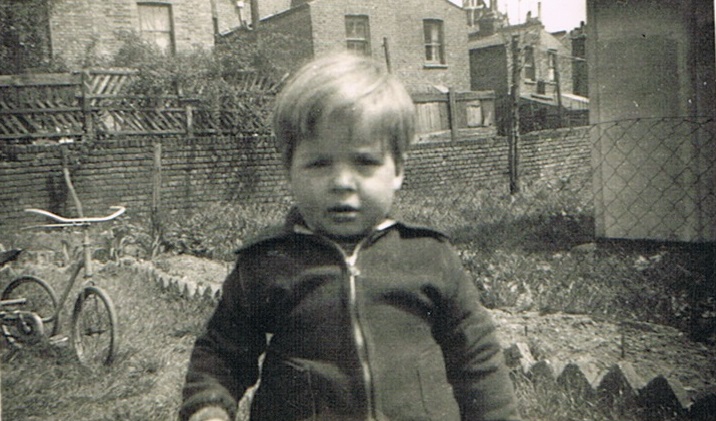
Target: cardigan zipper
{"points": [[358, 331], [356, 324]]}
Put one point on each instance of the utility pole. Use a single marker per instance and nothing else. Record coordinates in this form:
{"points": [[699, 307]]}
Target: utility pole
{"points": [[513, 136], [557, 84]]}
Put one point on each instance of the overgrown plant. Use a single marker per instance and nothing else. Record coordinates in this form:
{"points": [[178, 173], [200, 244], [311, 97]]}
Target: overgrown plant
{"points": [[25, 37], [126, 238], [199, 73], [217, 230]]}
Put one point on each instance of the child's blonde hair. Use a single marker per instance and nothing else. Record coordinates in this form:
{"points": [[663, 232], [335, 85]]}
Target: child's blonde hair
{"points": [[345, 85]]}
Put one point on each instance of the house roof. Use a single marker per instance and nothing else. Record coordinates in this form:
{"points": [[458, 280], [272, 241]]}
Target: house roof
{"points": [[569, 101], [547, 40], [277, 7], [489, 41]]}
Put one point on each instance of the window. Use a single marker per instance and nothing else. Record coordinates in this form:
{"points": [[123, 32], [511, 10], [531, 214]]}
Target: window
{"points": [[155, 25], [529, 64], [434, 45], [358, 34], [552, 65]]}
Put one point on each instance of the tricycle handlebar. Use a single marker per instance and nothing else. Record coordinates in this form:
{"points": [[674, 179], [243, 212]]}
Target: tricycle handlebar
{"points": [[62, 221]]}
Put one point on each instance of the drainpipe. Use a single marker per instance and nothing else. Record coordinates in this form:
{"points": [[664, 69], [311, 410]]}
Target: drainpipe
{"points": [[214, 18], [255, 17]]}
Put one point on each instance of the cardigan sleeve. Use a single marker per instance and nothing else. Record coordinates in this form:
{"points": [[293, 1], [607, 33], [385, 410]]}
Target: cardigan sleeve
{"points": [[473, 355], [225, 359]]}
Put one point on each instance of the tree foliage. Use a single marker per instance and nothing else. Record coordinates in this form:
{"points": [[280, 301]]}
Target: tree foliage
{"points": [[200, 72], [25, 37]]}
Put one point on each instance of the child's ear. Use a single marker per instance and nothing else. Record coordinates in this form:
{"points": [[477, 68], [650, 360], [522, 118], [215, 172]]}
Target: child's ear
{"points": [[399, 176]]}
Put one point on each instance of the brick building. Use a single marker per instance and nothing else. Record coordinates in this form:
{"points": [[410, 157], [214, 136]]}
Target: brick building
{"points": [[79, 27], [543, 56], [577, 41], [545, 79], [423, 41]]}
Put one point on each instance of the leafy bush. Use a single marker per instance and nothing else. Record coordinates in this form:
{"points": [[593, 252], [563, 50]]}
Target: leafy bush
{"points": [[218, 230], [199, 73], [25, 38]]}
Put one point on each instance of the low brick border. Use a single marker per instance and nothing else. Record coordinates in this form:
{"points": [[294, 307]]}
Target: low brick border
{"points": [[619, 386], [183, 286]]}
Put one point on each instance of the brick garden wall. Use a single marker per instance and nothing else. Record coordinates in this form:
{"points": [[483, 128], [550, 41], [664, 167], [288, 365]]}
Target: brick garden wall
{"points": [[195, 172]]}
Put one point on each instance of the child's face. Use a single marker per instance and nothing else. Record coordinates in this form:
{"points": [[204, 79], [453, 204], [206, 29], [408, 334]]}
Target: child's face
{"points": [[343, 183]]}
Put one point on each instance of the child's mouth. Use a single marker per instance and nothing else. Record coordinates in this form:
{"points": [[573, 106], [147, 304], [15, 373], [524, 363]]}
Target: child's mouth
{"points": [[343, 212]]}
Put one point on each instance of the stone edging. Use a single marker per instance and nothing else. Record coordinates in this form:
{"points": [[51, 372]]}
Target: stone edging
{"points": [[181, 285], [617, 387]]}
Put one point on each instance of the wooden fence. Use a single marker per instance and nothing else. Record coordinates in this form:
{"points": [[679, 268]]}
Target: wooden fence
{"points": [[94, 104], [453, 111]]}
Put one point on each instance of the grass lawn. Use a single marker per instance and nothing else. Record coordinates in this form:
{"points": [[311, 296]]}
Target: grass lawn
{"points": [[156, 335], [521, 251], [157, 330]]}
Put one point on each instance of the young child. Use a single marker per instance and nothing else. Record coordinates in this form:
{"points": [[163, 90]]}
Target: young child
{"points": [[369, 318]]}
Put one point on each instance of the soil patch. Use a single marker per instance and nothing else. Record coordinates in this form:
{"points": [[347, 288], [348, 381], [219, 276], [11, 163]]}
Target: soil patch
{"points": [[197, 269], [561, 338]]}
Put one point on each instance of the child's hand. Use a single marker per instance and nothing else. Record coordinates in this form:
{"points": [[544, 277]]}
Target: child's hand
{"points": [[210, 413]]}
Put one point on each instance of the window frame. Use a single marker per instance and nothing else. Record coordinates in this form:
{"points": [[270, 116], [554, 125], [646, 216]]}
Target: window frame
{"points": [[431, 48], [149, 35], [352, 40], [528, 66], [552, 66]]}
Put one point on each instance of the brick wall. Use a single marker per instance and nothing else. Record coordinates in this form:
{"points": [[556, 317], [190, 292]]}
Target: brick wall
{"points": [[482, 163], [82, 26], [286, 39], [195, 172]]}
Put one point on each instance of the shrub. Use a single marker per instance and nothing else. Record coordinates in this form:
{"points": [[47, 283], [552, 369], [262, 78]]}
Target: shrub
{"points": [[199, 73], [218, 230], [25, 38]]}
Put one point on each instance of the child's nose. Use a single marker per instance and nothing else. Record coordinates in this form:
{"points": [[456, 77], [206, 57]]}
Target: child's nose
{"points": [[343, 179]]}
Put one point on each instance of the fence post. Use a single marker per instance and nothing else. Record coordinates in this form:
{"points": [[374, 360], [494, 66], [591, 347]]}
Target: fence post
{"points": [[86, 101], [64, 150], [452, 114], [386, 51], [513, 136], [189, 119], [156, 187]]}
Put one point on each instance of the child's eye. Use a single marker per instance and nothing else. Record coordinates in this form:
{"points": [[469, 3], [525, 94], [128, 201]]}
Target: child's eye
{"points": [[367, 160], [318, 163]]}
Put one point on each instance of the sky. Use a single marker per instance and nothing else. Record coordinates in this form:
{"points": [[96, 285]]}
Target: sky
{"points": [[557, 15]]}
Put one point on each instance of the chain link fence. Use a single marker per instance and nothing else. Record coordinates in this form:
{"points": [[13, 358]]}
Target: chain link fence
{"points": [[633, 236], [654, 179]]}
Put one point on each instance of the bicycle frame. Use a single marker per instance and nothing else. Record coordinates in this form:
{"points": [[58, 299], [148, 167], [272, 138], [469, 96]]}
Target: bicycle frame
{"points": [[85, 262], [79, 265]]}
